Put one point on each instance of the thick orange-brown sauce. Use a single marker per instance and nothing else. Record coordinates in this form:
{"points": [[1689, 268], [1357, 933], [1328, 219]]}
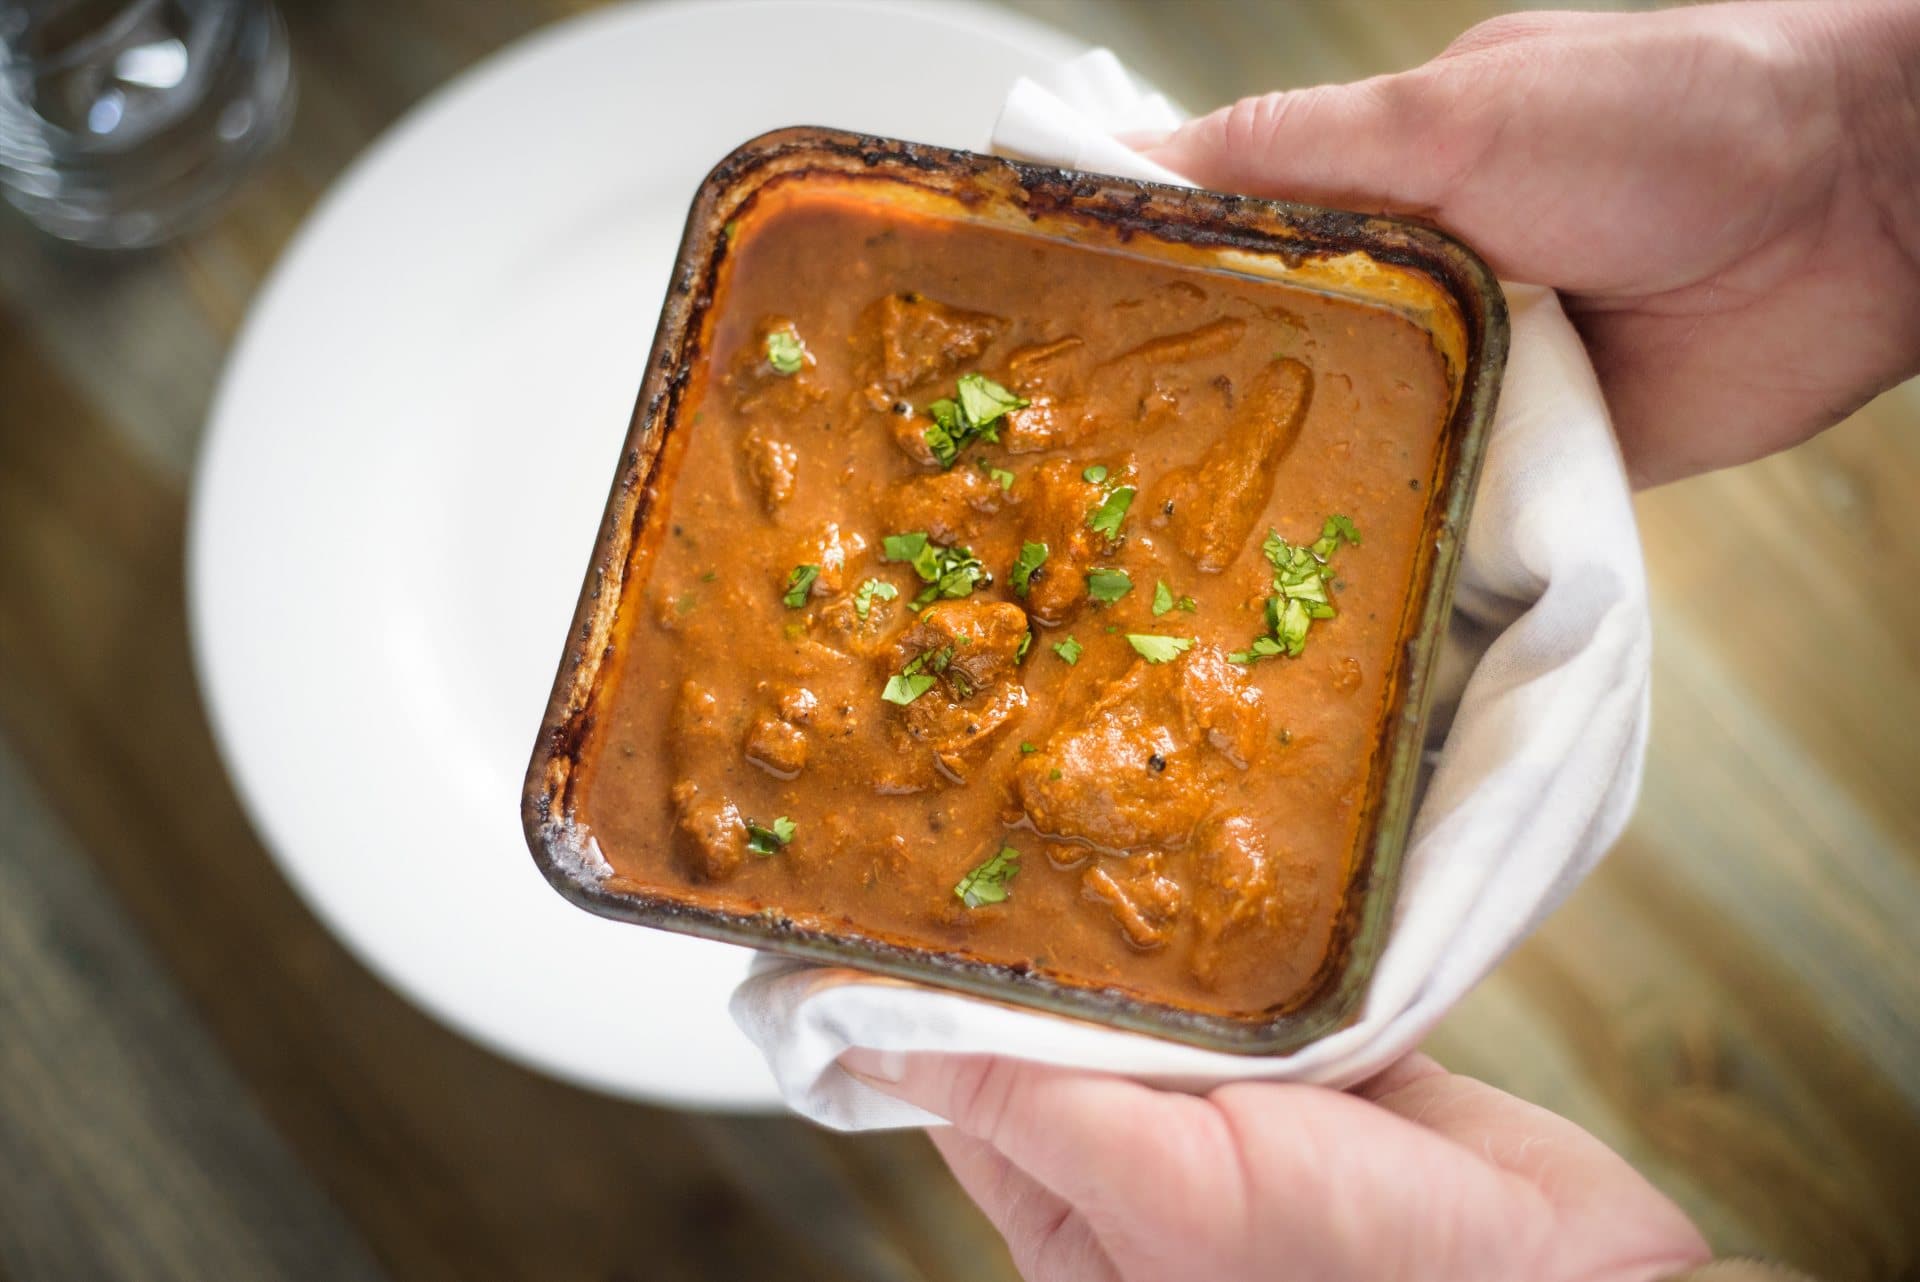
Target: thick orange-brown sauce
{"points": [[1207, 876]]}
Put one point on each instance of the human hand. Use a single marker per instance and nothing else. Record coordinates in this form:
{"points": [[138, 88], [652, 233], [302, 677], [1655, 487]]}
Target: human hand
{"points": [[1723, 195], [1417, 1174]]}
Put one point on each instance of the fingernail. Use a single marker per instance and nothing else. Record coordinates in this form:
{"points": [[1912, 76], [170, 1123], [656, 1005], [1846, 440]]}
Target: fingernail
{"points": [[884, 1068]]}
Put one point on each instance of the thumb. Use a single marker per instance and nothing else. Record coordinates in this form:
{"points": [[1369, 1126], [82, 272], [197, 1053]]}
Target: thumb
{"points": [[1370, 145]]}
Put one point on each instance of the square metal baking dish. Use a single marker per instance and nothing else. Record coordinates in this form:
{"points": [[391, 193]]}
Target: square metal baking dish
{"points": [[1413, 270]]}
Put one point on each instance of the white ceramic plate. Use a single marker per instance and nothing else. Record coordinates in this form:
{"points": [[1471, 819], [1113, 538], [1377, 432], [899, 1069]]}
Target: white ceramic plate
{"points": [[407, 461]]}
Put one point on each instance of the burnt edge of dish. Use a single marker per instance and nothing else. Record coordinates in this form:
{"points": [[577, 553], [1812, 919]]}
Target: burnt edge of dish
{"points": [[1122, 208]]}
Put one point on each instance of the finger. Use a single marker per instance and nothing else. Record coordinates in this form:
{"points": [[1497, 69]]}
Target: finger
{"points": [[1108, 1146], [1369, 145], [1046, 1237], [1401, 1073]]}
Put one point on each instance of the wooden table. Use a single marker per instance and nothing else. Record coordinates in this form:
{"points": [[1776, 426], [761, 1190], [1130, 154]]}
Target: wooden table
{"points": [[197, 1082]]}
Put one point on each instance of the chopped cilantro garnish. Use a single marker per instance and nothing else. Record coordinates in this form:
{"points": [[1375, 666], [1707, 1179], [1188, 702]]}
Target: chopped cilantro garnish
{"points": [[1106, 518], [904, 687], [1095, 475], [1158, 649], [1300, 577], [947, 572], [1108, 585], [799, 583], [903, 547], [867, 593], [977, 405], [784, 351], [1068, 650], [1027, 747], [768, 841], [987, 883], [1164, 600], [917, 677], [1002, 476], [1032, 557], [1026, 644]]}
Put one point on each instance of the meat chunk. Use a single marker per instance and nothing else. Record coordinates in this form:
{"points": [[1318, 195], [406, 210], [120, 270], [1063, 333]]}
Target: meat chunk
{"points": [[776, 746], [709, 836], [952, 507], [696, 715], [1046, 423], [904, 340], [1215, 338], [777, 741], [1058, 500], [1144, 901], [771, 467], [1211, 506], [1149, 757], [831, 548], [1235, 889], [758, 389], [972, 649]]}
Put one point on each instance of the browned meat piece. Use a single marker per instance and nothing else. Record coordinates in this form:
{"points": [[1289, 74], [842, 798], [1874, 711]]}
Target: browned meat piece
{"points": [[904, 340], [776, 747], [1215, 338], [973, 648], [696, 715], [952, 507], [1217, 501], [708, 834], [771, 467], [1143, 900], [831, 548], [778, 741], [1149, 757], [757, 388], [1055, 504], [1046, 424], [840, 626], [1025, 364], [1234, 888]]}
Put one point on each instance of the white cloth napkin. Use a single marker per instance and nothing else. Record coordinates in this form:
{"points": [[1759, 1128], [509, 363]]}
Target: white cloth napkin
{"points": [[1540, 726]]}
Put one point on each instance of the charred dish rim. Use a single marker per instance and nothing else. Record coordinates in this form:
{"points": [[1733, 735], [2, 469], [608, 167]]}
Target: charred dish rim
{"points": [[1414, 270]]}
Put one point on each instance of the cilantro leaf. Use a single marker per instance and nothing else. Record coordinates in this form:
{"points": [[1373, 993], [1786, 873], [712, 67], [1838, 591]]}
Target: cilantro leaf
{"points": [[1106, 518], [1032, 557], [784, 351], [1068, 650], [768, 841], [982, 400], [867, 593], [1003, 477], [1108, 585], [987, 883], [903, 547], [1095, 475], [904, 687], [799, 583], [1158, 649], [1162, 598]]}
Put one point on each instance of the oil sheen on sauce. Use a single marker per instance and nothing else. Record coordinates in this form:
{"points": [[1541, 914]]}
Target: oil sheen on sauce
{"points": [[1183, 828]]}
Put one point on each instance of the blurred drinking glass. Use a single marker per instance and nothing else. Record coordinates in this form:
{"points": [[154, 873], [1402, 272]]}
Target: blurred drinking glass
{"points": [[123, 121]]}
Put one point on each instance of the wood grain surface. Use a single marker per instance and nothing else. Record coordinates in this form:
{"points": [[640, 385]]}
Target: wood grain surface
{"points": [[196, 1081]]}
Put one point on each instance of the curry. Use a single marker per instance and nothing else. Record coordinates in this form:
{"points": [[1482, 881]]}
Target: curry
{"points": [[1022, 601]]}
